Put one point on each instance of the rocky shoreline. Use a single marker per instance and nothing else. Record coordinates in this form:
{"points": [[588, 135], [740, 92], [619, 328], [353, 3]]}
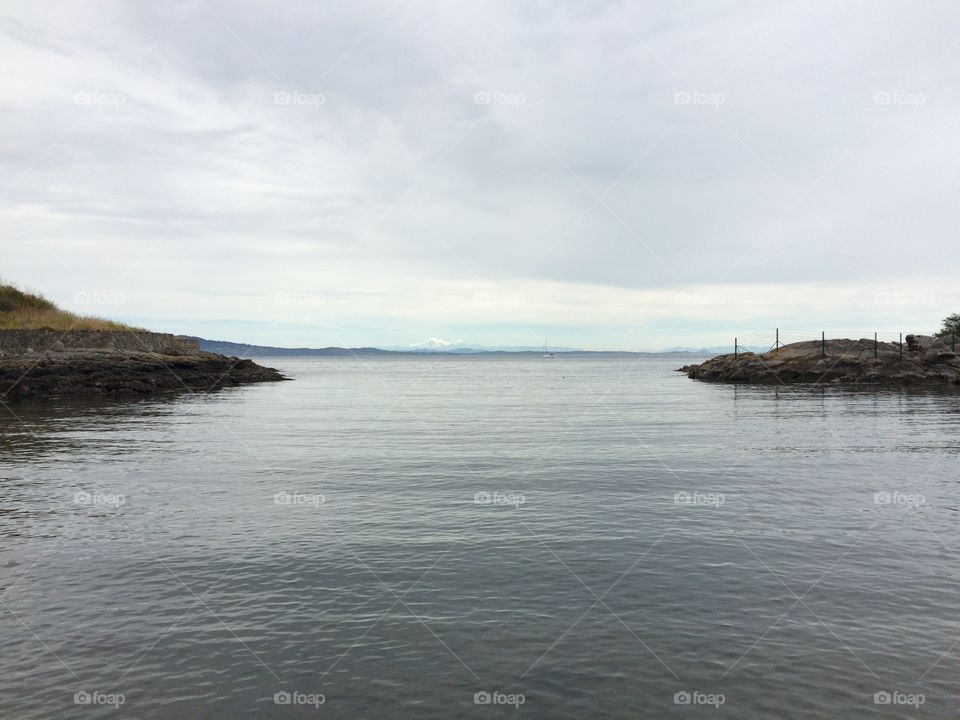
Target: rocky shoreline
{"points": [[122, 372], [922, 360]]}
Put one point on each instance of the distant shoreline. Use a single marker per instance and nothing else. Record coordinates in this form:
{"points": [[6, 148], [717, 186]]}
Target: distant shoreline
{"points": [[244, 350]]}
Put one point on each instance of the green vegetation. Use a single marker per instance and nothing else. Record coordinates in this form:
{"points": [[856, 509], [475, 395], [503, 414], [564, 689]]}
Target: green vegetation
{"points": [[20, 310], [951, 326]]}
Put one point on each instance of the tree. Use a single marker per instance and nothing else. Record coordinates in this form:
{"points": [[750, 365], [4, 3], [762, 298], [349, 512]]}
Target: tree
{"points": [[951, 326]]}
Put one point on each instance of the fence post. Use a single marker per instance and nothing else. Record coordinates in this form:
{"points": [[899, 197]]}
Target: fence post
{"points": [[901, 347], [874, 346], [823, 342], [777, 343], [735, 351]]}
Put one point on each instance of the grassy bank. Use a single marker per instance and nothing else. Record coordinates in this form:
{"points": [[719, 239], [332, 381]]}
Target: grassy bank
{"points": [[21, 310]]}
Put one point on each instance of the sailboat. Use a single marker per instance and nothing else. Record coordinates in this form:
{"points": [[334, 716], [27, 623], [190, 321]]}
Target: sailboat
{"points": [[546, 352]]}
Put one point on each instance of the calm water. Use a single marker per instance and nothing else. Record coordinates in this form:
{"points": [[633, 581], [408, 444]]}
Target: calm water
{"points": [[783, 588]]}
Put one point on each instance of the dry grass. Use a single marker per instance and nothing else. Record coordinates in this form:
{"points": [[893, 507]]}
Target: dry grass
{"points": [[20, 310]]}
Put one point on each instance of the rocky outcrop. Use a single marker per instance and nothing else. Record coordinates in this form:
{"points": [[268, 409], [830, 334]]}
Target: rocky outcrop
{"points": [[114, 372], [924, 360]]}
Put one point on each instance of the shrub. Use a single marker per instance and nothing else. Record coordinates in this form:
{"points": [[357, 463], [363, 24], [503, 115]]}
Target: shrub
{"points": [[951, 326]]}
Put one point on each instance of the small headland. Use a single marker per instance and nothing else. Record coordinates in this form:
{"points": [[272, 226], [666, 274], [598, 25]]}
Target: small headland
{"points": [[45, 351], [919, 360]]}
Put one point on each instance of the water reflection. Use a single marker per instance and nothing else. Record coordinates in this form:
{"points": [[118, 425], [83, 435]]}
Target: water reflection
{"points": [[56, 454], [33, 429]]}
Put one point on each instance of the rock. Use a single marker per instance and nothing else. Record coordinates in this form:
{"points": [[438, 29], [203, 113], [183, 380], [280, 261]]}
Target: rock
{"points": [[925, 361], [123, 372]]}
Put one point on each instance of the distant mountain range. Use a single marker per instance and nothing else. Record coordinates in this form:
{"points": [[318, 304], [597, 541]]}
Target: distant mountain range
{"points": [[244, 350], [434, 345], [225, 347]]}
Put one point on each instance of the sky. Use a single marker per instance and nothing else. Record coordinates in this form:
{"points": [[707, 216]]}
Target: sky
{"points": [[609, 175]]}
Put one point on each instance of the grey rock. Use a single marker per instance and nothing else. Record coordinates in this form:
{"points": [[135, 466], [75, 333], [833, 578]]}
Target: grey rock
{"points": [[839, 362]]}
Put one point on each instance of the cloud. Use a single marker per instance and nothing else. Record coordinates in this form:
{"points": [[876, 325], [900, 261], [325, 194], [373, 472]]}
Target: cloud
{"points": [[401, 160]]}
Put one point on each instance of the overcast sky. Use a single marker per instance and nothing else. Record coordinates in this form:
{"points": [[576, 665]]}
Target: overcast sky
{"points": [[613, 175]]}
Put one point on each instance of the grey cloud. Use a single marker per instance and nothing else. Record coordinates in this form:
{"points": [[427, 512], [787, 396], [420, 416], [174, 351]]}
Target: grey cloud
{"points": [[743, 143]]}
